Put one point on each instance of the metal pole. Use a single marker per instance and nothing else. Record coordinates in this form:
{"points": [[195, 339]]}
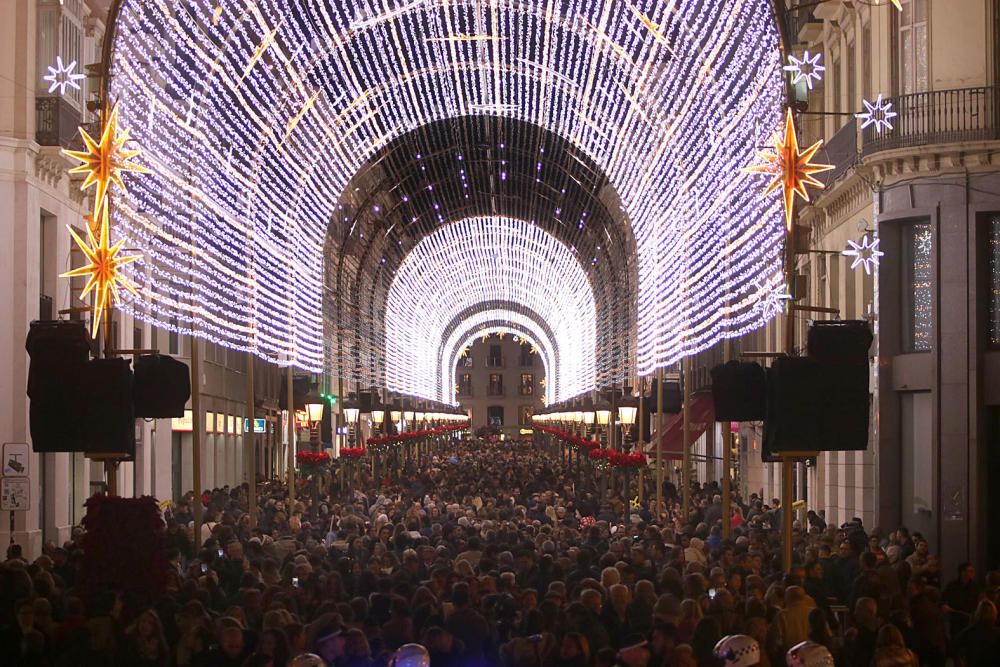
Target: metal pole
{"points": [[788, 464], [686, 460], [197, 431], [727, 452], [250, 446], [659, 440], [291, 438]]}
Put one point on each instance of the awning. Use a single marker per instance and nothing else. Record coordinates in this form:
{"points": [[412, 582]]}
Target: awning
{"points": [[701, 418]]}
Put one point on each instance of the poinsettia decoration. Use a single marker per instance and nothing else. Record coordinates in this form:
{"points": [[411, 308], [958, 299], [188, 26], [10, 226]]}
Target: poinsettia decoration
{"points": [[352, 452], [312, 463]]}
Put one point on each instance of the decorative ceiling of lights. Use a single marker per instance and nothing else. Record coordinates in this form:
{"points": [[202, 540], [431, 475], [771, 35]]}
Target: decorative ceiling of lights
{"points": [[477, 261], [258, 115]]}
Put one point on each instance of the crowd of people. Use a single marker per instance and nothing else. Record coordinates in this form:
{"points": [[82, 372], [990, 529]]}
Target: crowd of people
{"points": [[502, 554]]}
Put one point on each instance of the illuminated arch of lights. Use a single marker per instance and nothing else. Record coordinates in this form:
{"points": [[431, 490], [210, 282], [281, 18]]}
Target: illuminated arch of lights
{"points": [[495, 322], [256, 114], [542, 353], [481, 260]]}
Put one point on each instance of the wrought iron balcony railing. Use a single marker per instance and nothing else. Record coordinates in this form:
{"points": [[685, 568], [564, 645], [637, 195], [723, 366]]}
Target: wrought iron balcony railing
{"points": [[56, 122], [938, 117]]}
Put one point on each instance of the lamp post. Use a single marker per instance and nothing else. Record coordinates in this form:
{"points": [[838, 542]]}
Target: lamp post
{"points": [[314, 413], [351, 414], [626, 415], [604, 422]]}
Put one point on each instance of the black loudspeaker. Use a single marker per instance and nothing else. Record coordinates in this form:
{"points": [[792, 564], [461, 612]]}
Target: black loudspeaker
{"points": [[300, 389], [59, 351], [839, 342], [109, 424], [326, 424], [161, 386], [816, 406], [739, 392], [673, 398], [672, 404]]}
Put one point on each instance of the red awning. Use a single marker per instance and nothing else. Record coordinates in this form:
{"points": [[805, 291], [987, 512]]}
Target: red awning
{"points": [[702, 417]]}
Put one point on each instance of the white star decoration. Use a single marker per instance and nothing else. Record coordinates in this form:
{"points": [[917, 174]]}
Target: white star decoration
{"points": [[807, 68], [61, 76], [772, 300], [866, 253], [880, 114]]}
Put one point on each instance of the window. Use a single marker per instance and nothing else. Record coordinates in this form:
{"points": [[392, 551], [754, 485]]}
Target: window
{"points": [[913, 47], [852, 78], [465, 361], [494, 415], [993, 279], [524, 414], [496, 384], [527, 384], [866, 61], [835, 86], [527, 356], [465, 384], [495, 358], [918, 315]]}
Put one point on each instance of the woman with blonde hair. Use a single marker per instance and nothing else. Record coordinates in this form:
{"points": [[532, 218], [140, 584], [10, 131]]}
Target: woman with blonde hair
{"points": [[891, 651], [691, 613], [147, 646]]}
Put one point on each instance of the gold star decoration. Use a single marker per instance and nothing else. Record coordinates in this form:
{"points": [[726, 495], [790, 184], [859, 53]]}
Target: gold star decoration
{"points": [[500, 335], [897, 4], [790, 167], [104, 161], [104, 276]]}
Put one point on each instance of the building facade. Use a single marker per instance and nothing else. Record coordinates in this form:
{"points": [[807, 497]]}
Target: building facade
{"points": [[929, 190], [38, 199], [500, 382]]}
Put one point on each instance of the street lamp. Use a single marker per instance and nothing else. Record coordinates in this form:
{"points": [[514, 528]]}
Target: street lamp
{"points": [[626, 415], [314, 413]]}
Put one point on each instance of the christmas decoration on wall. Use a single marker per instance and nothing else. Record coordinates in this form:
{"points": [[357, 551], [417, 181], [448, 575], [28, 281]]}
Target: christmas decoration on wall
{"points": [[103, 162], [865, 253], [262, 134], [61, 76], [807, 68], [792, 170], [104, 275], [106, 160], [879, 114]]}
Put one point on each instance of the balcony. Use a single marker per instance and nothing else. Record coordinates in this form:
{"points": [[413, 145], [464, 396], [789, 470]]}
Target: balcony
{"points": [[56, 122], [841, 151], [938, 117]]}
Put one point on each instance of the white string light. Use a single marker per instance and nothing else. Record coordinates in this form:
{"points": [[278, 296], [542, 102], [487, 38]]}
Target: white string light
{"points": [[258, 114], [480, 261]]}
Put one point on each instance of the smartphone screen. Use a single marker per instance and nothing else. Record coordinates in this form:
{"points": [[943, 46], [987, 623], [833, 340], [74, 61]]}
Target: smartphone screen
{"points": [[221, 553], [204, 568], [295, 582]]}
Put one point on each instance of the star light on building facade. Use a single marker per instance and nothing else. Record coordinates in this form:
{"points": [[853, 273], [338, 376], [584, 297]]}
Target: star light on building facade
{"points": [[791, 169], [104, 270], [61, 76], [866, 253], [807, 68], [106, 160], [772, 299], [879, 114]]}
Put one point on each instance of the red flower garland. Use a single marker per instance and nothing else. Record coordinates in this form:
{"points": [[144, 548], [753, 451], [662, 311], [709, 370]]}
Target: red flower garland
{"points": [[414, 435], [312, 459], [352, 452]]}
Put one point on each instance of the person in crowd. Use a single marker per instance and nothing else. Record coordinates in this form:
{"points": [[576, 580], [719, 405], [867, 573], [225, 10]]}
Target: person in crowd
{"points": [[481, 553]]}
